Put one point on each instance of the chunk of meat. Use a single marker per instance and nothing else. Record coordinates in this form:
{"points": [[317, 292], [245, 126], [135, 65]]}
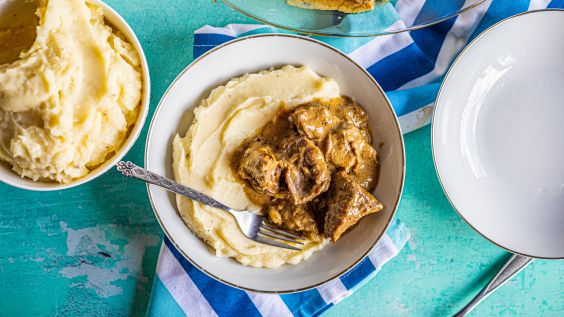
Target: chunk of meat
{"points": [[314, 121], [365, 172], [348, 151], [352, 114], [312, 169], [307, 174], [347, 202], [298, 218], [341, 147], [260, 167]]}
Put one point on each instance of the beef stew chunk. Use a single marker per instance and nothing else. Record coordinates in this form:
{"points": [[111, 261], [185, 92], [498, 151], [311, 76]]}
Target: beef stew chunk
{"points": [[347, 202], [342, 147], [298, 218], [314, 121], [365, 171], [312, 168], [260, 167], [352, 114], [348, 151], [307, 174]]}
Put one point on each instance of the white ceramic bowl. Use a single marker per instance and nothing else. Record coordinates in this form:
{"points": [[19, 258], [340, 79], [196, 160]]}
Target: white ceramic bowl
{"points": [[9, 177], [498, 133], [251, 54]]}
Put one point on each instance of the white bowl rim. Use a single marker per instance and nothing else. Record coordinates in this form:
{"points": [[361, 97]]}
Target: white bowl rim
{"points": [[388, 104], [28, 184], [433, 130]]}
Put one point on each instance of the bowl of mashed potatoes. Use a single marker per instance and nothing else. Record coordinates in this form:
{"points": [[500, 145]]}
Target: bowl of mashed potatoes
{"points": [[74, 92], [230, 94]]}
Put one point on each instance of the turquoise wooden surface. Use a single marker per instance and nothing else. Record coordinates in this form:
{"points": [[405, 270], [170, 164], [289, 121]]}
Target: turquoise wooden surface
{"points": [[92, 250]]}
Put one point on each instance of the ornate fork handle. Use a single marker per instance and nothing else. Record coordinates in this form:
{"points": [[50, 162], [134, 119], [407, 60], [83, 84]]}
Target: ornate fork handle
{"points": [[132, 170]]}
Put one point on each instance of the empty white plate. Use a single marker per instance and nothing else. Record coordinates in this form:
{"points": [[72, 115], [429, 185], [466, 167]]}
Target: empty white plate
{"points": [[498, 134]]}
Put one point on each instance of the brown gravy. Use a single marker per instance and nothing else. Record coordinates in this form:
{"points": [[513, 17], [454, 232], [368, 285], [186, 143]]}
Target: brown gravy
{"points": [[312, 168]]}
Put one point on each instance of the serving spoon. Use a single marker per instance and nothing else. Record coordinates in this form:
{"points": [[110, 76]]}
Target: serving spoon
{"points": [[252, 225]]}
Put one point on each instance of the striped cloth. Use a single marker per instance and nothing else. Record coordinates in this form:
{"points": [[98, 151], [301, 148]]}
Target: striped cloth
{"points": [[179, 288], [409, 67]]}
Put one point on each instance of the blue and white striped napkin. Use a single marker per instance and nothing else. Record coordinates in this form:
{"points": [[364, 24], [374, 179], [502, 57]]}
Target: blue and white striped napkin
{"points": [[409, 67], [179, 288]]}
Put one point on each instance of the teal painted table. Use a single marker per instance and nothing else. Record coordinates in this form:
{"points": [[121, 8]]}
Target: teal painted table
{"points": [[92, 250]]}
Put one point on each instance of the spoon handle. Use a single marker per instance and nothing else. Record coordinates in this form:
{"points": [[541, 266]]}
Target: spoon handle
{"points": [[513, 266]]}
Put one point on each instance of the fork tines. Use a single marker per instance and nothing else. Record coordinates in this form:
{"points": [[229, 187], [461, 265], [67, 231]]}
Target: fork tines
{"points": [[283, 239]]}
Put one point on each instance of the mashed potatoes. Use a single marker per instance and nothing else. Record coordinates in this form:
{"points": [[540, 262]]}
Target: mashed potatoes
{"points": [[68, 101], [201, 159]]}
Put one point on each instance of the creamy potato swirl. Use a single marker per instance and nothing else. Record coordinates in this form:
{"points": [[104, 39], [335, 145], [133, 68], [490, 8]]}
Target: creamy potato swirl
{"points": [[201, 158], [68, 101]]}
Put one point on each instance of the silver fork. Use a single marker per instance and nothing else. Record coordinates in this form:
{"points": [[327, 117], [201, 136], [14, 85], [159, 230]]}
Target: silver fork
{"points": [[252, 225]]}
